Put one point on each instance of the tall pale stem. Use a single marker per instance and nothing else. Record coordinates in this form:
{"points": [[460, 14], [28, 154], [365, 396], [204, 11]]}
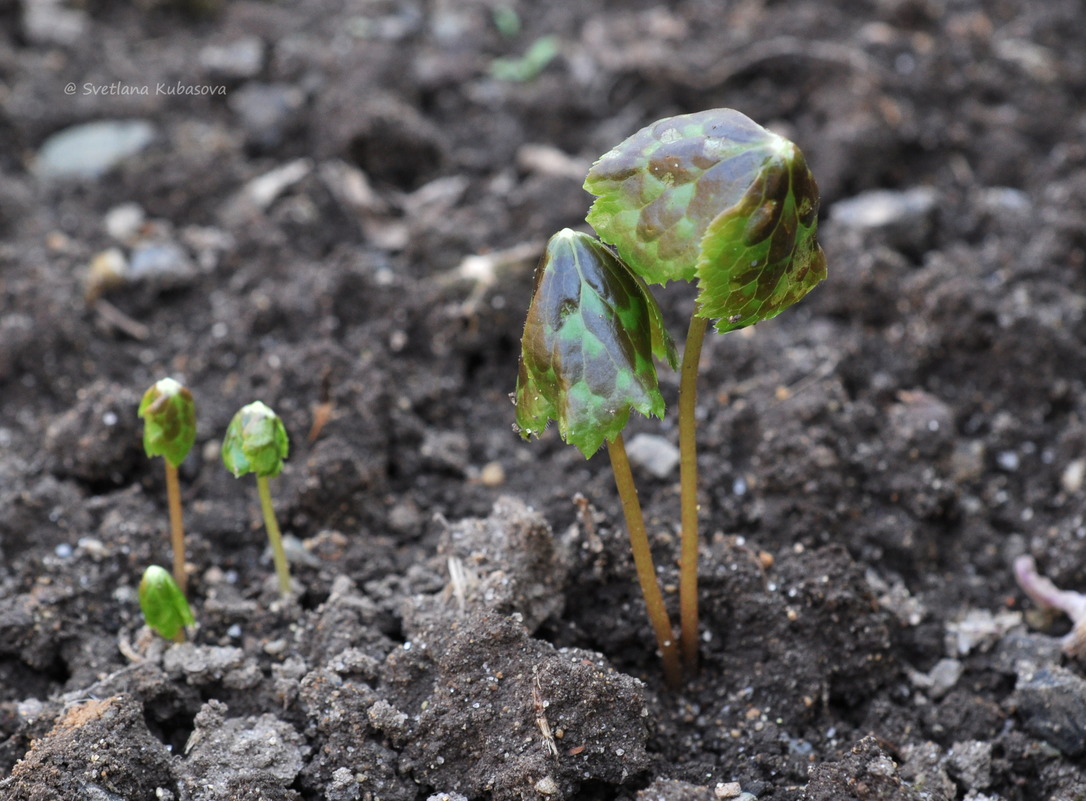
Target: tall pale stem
{"points": [[688, 492], [642, 554], [177, 526], [274, 537]]}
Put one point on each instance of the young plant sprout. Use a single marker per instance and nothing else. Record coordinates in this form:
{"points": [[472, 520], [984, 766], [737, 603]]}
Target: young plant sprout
{"points": [[163, 604], [586, 360], [716, 199], [256, 442], [169, 430]]}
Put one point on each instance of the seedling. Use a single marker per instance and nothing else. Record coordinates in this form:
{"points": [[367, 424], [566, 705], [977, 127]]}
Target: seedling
{"points": [[256, 442], [586, 360], [169, 431], [163, 604], [716, 199]]}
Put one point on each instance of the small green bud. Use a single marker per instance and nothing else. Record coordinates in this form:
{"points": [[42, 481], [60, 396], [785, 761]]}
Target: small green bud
{"points": [[169, 421], [256, 442], [163, 604]]}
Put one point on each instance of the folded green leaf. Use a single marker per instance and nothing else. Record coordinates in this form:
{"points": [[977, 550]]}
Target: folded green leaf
{"points": [[589, 340], [163, 604], [255, 442], [761, 256], [169, 421], [716, 197]]}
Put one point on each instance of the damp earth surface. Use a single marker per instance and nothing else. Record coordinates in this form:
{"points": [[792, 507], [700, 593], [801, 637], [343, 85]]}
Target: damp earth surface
{"points": [[335, 208]]}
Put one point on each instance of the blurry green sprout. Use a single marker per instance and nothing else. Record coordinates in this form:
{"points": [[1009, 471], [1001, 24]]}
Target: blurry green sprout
{"points": [[711, 198], [506, 20], [163, 604], [256, 442], [527, 67], [169, 430]]}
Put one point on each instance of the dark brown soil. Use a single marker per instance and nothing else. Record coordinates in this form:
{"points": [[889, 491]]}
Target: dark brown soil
{"points": [[352, 224]]}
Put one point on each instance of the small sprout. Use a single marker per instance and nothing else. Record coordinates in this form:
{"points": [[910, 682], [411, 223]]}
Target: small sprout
{"points": [[586, 360], [163, 604], [1044, 593], [256, 442], [527, 67], [169, 430], [506, 20]]}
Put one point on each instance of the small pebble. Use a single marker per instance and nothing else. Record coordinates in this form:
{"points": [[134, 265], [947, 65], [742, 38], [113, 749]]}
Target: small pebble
{"points": [[52, 22], [1072, 477], [944, 676], [979, 629], [1051, 703], [653, 453], [92, 149], [1008, 460], [123, 222], [882, 208], [546, 786], [162, 265], [492, 474], [240, 59]]}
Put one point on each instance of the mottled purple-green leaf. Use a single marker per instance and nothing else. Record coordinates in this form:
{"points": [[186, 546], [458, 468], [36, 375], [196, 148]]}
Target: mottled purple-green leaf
{"points": [[717, 198], [589, 340], [255, 442], [163, 604], [169, 421]]}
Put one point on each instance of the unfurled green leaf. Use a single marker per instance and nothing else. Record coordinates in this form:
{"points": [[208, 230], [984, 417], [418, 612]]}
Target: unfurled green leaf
{"points": [[169, 421], [589, 340], [713, 196], [163, 604], [255, 442]]}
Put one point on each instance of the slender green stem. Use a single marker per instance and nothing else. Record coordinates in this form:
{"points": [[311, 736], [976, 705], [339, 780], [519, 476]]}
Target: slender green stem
{"points": [[278, 554], [646, 570], [688, 492], [177, 526]]}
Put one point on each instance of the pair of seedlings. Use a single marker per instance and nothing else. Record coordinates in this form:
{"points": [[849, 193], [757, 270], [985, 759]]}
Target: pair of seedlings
{"points": [[711, 198], [255, 442]]}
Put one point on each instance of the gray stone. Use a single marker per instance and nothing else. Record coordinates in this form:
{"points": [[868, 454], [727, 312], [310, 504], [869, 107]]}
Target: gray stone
{"points": [[240, 59], [1052, 706], [902, 219], [161, 264], [123, 222], [266, 111], [653, 453], [882, 208], [970, 762], [92, 149], [1019, 652], [53, 22], [944, 676]]}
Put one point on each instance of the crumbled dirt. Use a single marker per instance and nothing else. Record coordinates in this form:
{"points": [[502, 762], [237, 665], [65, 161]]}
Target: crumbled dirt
{"points": [[347, 231]]}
